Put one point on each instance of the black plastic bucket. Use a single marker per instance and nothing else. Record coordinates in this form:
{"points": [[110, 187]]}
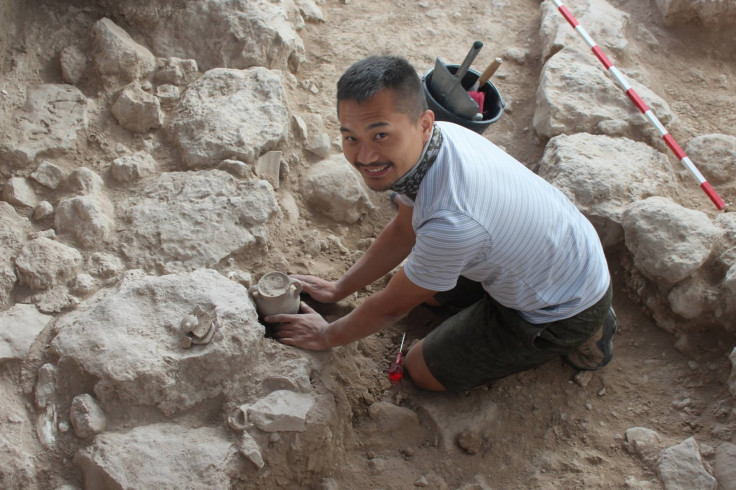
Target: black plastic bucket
{"points": [[492, 106]]}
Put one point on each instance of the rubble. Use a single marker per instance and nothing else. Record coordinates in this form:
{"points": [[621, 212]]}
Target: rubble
{"points": [[680, 468], [19, 327], [130, 168], [136, 110], [117, 57], [44, 263]]}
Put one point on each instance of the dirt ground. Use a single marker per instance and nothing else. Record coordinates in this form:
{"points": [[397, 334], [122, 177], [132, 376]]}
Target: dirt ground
{"points": [[548, 430]]}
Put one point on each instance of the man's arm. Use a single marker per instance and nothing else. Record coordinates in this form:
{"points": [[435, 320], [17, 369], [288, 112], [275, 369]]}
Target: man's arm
{"points": [[311, 331], [392, 245]]}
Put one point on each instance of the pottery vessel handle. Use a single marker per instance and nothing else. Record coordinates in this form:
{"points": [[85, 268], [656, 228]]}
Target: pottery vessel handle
{"points": [[253, 290], [297, 286]]}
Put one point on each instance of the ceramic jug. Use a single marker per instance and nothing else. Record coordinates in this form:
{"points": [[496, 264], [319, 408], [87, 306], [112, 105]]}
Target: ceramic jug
{"points": [[276, 293]]}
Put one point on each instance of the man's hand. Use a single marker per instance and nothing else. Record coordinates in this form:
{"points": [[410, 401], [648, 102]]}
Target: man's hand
{"points": [[307, 331], [319, 289]]}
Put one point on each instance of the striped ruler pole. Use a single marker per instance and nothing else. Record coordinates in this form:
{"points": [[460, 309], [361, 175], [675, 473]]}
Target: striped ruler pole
{"points": [[639, 103]]}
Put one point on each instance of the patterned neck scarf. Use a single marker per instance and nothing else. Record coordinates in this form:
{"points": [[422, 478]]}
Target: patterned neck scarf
{"points": [[408, 184]]}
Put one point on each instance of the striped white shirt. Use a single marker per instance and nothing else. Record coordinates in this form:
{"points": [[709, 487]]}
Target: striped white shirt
{"points": [[481, 214]]}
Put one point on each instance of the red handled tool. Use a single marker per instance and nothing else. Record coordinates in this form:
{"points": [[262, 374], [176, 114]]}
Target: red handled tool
{"points": [[396, 370]]}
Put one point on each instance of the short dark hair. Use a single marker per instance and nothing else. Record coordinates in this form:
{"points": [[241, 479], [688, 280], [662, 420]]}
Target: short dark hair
{"points": [[367, 77]]}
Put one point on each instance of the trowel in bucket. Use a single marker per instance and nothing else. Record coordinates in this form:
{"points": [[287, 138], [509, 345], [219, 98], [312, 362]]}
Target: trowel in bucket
{"points": [[448, 90]]}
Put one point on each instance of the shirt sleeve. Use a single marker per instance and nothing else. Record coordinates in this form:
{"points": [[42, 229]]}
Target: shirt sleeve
{"points": [[445, 246]]}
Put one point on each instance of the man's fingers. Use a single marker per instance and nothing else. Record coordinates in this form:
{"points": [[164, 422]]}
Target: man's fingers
{"points": [[306, 308]]}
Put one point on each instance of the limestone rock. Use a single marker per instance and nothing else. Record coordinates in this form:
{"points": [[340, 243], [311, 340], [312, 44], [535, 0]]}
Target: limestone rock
{"points": [[48, 174], [176, 71], [725, 246], [331, 187], [14, 230], [207, 129], [188, 220], [45, 385], [47, 126], [45, 263], [18, 191], [709, 12], [83, 181], [281, 411], [605, 23], [681, 468], [715, 156], [128, 339], [104, 265], [72, 62], [602, 175], [163, 455], [668, 242], [235, 34], [18, 456], [690, 298], [86, 416], [269, 167], [310, 11], [645, 443], [117, 56], [237, 168], [82, 284], [136, 110], [167, 94], [133, 167], [19, 327], [87, 219], [317, 139], [576, 95], [724, 466]]}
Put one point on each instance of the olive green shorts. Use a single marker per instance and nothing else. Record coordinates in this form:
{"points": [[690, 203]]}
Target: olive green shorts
{"points": [[486, 341]]}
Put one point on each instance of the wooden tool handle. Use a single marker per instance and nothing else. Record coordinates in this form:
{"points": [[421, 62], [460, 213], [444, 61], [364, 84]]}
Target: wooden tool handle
{"points": [[489, 72]]}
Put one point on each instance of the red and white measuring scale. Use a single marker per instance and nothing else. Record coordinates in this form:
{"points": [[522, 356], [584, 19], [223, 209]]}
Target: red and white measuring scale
{"points": [[639, 103]]}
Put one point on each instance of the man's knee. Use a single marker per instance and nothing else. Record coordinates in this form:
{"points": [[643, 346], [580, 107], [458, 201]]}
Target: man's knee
{"points": [[419, 371]]}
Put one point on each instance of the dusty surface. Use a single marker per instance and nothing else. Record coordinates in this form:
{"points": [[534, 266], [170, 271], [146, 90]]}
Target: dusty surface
{"points": [[548, 431]]}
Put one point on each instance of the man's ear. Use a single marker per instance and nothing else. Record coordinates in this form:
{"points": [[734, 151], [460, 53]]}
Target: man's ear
{"points": [[426, 122]]}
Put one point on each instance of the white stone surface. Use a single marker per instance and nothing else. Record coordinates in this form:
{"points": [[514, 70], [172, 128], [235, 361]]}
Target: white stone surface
{"points": [[681, 468], [72, 62], [44, 263], [235, 34], [268, 167], [117, 56], [128, 338], [18, 191], [130, 168], [186, 220], [45, 389], [43, 211], [709, 12], [281, 411], [18, 457], [165, 456], [656, 225], [602, 175], [86, 416], [310, 11], [576, 95], [644, 442], [48, 174], [136, 110], [19, 327], [176, 71], [715, 156], [48, 125], [605, 23], [724, 466], [87, 219], [207, 130], [333, 188], [14, 230]]}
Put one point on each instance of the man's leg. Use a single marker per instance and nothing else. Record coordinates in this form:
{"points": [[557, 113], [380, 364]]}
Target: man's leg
{"points": [[418, 370]]}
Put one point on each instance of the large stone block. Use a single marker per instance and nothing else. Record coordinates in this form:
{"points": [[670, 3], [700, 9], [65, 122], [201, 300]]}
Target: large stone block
{"points": [[602, 175], [117, 56], [48, 125], [159, 456], [668, 242], [333, 188], [181, 221], [230, 113], [576, 95], [129, 339]]}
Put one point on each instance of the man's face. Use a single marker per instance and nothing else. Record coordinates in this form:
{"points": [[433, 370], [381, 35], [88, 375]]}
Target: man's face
{"points": [[382, 143]]}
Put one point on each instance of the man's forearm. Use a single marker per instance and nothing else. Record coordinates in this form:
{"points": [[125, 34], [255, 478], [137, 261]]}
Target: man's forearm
{"points": [[391, 247]]}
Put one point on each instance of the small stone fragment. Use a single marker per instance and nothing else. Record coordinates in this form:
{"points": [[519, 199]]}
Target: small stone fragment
{"points": [[168, 94], [48, 174], [136, 110], [43, 211], [236, 168], [268, 167], [470, 441], [18, 192], [582, 378], [45, 385], [86, 416], [248, 447], [133, 167], [72, 62]]}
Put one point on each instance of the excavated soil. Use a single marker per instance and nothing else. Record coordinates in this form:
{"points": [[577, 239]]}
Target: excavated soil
{"points": [[548, 430]]}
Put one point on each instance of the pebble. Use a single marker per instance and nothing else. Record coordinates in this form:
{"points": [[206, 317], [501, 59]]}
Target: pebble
{"points": [[589, 406], [602, 392]]}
